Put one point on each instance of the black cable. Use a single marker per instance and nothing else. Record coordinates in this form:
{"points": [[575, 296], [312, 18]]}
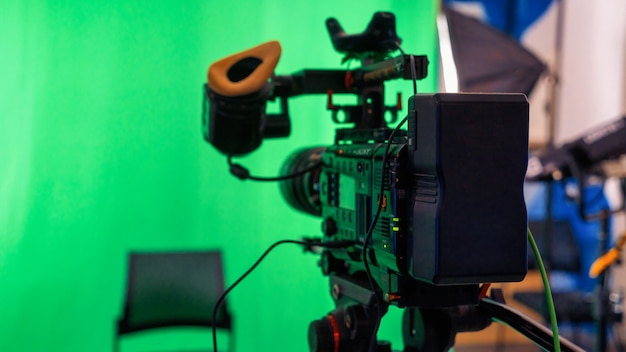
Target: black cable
{"points": [[534, 331], [368, 237], [307, 244], [243, 174]]}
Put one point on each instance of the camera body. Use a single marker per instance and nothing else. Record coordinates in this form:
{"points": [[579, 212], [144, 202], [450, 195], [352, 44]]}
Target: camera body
{"points": [[452, 206]]}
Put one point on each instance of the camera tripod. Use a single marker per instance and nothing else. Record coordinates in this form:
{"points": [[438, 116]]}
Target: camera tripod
{"points": [[351, 325]]}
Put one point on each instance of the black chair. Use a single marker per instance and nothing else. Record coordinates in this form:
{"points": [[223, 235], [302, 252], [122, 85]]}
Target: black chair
{"points": [[561, 253], [174, 289]]}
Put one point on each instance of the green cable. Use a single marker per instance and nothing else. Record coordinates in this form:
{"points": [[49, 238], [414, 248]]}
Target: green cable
{"points": [[548, 292]]}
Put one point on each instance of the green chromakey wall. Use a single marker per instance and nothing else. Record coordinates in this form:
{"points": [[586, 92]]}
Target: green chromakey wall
{"points": [[101, 153]]}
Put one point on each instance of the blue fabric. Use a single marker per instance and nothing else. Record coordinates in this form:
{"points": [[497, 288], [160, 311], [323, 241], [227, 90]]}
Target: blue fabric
{"points": [[510, 16], [565, 208]]}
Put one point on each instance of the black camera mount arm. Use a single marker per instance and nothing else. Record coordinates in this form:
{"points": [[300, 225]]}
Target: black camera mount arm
{"points": [[366, 82], [372, 47], [313, 81]]}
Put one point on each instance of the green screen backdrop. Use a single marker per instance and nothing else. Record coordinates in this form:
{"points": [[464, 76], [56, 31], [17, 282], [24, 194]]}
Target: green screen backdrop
{"points": [[101, 153]]}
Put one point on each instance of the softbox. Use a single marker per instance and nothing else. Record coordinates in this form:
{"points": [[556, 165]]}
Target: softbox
{"points": [[488, 60]]}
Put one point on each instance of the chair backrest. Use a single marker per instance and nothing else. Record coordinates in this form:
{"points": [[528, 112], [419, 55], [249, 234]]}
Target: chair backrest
{"points": [[173, 289], [557, 245]]}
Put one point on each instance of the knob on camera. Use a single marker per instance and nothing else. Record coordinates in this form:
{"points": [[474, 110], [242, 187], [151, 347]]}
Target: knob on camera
{"points": [[344, 330], [237, 91]]}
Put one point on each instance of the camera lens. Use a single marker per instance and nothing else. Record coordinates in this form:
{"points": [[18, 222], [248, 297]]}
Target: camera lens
{"points": [[302, 192]]}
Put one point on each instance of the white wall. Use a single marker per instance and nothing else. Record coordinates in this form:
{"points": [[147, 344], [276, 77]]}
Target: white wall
{"points": [[590, 71], [592, 74]]}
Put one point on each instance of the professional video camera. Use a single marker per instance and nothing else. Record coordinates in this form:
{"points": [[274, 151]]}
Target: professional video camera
{"points": [[419, 218]]}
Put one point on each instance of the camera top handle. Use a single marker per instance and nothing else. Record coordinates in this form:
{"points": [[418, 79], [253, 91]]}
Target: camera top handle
{"points": [[375, 42]]}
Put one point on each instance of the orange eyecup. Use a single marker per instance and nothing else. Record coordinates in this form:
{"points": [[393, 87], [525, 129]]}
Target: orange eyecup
{"points": [[222, 83]]}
